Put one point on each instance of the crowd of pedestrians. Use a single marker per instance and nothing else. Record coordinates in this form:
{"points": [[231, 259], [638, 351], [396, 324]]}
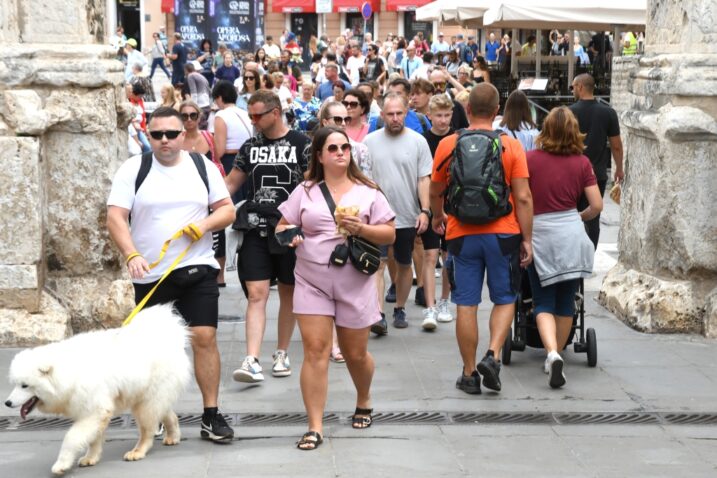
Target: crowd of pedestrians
{"points": [[380, 165]]}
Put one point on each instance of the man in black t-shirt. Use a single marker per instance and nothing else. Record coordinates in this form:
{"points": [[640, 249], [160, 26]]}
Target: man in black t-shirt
{"points": [[599, 122], [179, 59], [273, 163], [373, 70]]}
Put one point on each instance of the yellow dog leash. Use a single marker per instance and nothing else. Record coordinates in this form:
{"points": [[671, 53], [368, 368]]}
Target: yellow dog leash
{"points": [[194, 234]]}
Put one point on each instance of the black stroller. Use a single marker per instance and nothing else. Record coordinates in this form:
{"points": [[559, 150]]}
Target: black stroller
{"points": [[525, 328]]}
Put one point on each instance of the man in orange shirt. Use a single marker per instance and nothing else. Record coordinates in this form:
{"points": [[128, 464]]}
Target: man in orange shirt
{"points": [[500, 247]]}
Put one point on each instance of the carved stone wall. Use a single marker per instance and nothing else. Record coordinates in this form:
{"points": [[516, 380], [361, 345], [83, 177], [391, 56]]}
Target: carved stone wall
{"points": [[63, 119], [666, 276]]}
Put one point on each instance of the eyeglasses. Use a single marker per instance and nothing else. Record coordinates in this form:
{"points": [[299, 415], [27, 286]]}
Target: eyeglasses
{"points": [[439, 84], [170, 134], [257, 116], [253, 78], [334, 148], [190, 116], [350, 104], [341, 120]]}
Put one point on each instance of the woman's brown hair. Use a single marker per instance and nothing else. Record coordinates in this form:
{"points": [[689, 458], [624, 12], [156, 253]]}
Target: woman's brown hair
{"points": [[517, 111], [561, 133], [315, 174]]}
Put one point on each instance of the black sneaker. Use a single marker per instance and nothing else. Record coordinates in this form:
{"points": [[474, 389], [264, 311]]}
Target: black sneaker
{"points": [[420, 297], [399, 318], [470, 384], [391, 294], [490, 369], [216, 429], [380, 327]]}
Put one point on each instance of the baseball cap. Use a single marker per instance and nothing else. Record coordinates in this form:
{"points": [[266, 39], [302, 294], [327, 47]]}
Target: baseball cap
{"points": [[132, 42], [440, 34], [460, 35]]}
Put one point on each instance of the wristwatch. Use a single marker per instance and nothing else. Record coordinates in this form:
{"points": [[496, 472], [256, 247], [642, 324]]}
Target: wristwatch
{"points": [[427, 212]]}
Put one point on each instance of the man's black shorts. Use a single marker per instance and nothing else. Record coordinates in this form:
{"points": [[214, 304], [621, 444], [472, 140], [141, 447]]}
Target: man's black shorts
{"points": [[402, 246], [194, 291], [257, 263], [430, 239]]}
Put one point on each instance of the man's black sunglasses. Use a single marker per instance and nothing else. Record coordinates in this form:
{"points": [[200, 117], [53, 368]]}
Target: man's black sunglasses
{"points": [[170, 134]]}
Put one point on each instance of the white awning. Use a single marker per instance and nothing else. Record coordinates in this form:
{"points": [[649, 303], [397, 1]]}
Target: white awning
{"points": [[549, 14]]}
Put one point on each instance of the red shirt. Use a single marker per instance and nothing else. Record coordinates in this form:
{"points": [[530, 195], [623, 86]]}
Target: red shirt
{"points": [[556, 181]]}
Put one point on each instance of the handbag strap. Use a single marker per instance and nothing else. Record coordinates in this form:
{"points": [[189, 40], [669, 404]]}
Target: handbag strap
{"points": [[329, 200]]}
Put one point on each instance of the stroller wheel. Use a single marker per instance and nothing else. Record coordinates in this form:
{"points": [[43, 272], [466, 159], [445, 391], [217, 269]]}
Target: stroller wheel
{"points": [[507, 348], [591, 346]]}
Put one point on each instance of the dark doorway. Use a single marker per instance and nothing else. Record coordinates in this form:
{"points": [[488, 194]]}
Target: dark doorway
{"points": [[128, 15], [304, 25], [411, 27], [354, 22]]}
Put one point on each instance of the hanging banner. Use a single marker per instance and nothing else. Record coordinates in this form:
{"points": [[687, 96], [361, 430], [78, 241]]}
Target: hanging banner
{"points": [[233, 22], [190, 19]]}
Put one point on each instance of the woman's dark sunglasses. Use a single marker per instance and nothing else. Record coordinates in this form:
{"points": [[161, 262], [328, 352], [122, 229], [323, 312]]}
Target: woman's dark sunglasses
{"points": [[250, 77], [334, 148], [341, 120], [170, 134], [190, 116], [350, 104]]}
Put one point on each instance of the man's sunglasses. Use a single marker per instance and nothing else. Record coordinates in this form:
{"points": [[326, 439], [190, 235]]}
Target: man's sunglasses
{"points": [[439, 85], [190, 116], [334, 148], [350, 104], [257, 116], [342, 120], [170, 134]]}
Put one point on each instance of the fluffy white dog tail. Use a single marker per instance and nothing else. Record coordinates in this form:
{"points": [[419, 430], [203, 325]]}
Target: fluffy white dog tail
{"points": [[160, 322]]}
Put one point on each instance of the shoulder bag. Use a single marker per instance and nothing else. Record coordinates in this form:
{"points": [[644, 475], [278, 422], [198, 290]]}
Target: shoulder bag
{"points": [[364, 255]]}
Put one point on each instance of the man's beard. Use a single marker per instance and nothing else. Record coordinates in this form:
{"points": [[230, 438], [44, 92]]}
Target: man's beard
{"points": [[394, 132]]}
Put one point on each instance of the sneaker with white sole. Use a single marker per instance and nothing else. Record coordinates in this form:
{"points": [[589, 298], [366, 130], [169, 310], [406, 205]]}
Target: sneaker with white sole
{"points": [[215, 428], [546, 366], [556, 377], [282, 366], [429, 319], [249, 372], [444, 311]]}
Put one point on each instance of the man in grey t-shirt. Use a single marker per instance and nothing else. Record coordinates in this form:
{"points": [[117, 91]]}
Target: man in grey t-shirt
{"points": [[402, 164]]}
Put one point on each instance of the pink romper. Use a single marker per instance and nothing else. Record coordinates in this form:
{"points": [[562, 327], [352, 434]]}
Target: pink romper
{"points": [[340, 292]]}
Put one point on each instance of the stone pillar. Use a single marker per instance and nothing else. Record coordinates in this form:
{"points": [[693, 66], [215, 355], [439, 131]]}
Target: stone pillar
{"points": [[63, 120], [666, 276]]}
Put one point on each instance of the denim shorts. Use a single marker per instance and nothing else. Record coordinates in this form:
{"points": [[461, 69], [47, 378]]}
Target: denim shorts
{"points": [[472, 256], [556, 299]]}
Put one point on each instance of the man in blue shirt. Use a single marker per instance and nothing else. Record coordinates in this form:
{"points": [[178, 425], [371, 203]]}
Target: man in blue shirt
{"points": [[440, 45], [416, 121], [491, 48], [326, 89], [179, 59], [410, 63]]}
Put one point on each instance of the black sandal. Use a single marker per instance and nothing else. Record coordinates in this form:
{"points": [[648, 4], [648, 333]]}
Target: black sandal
{"points": [[310, 441], [363, 421]]}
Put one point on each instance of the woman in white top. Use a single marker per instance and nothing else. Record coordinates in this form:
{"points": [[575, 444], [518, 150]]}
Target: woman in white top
{"points": [[232, 126], [518, 121]]}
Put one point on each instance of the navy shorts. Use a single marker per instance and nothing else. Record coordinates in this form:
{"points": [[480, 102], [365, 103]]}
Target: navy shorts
{"points": [[194, 291], [556, 299], [402, 246], [473, 255]]}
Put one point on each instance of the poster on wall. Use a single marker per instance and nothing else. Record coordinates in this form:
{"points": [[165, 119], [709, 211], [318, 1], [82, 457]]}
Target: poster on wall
{"points": [[234, 23], [190, 18]]}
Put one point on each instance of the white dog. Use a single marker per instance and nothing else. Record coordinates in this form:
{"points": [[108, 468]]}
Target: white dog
{"points": [[96, 375]]}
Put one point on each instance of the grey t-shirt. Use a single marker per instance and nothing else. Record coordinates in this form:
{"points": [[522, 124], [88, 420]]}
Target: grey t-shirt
{"points": [[398, 163]]}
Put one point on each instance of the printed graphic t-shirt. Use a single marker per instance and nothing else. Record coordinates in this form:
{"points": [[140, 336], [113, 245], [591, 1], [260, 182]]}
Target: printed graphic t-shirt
{"points": [[274, 167]]}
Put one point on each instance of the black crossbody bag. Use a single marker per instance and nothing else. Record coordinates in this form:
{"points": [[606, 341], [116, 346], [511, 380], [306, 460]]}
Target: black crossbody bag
{"points": [[364, 255]]}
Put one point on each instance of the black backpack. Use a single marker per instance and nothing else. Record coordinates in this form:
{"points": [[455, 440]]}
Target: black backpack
{"points": [[477, 192], [146, 165]]}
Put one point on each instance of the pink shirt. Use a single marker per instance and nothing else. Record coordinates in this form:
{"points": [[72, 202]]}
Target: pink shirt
{"points": [[310, 211], [358, 135]]}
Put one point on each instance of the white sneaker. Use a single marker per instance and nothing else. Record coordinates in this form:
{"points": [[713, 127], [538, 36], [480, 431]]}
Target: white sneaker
{"points": [[249, 372], [282, 366], [444, 312], [546, 366], [437, 273], [429, 319], [556, 377]]}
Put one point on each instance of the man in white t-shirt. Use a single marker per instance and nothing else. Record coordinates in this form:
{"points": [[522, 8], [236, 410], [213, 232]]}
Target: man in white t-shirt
{"points": [[176, 194], [272, 50], [355, 64]]}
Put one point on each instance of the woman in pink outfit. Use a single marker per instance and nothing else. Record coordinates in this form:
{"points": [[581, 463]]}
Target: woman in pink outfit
{"points": [[325, 293]]}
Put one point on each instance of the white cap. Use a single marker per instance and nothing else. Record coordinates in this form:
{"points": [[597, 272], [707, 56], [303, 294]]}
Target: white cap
{"points": [[440, 34]]}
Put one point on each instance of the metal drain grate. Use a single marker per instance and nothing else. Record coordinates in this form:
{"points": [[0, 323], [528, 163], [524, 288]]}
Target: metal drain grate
{"points": [[690, 418], [523, 418], [606, 418], [401, 418], [415, 418], [231, 318]]}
